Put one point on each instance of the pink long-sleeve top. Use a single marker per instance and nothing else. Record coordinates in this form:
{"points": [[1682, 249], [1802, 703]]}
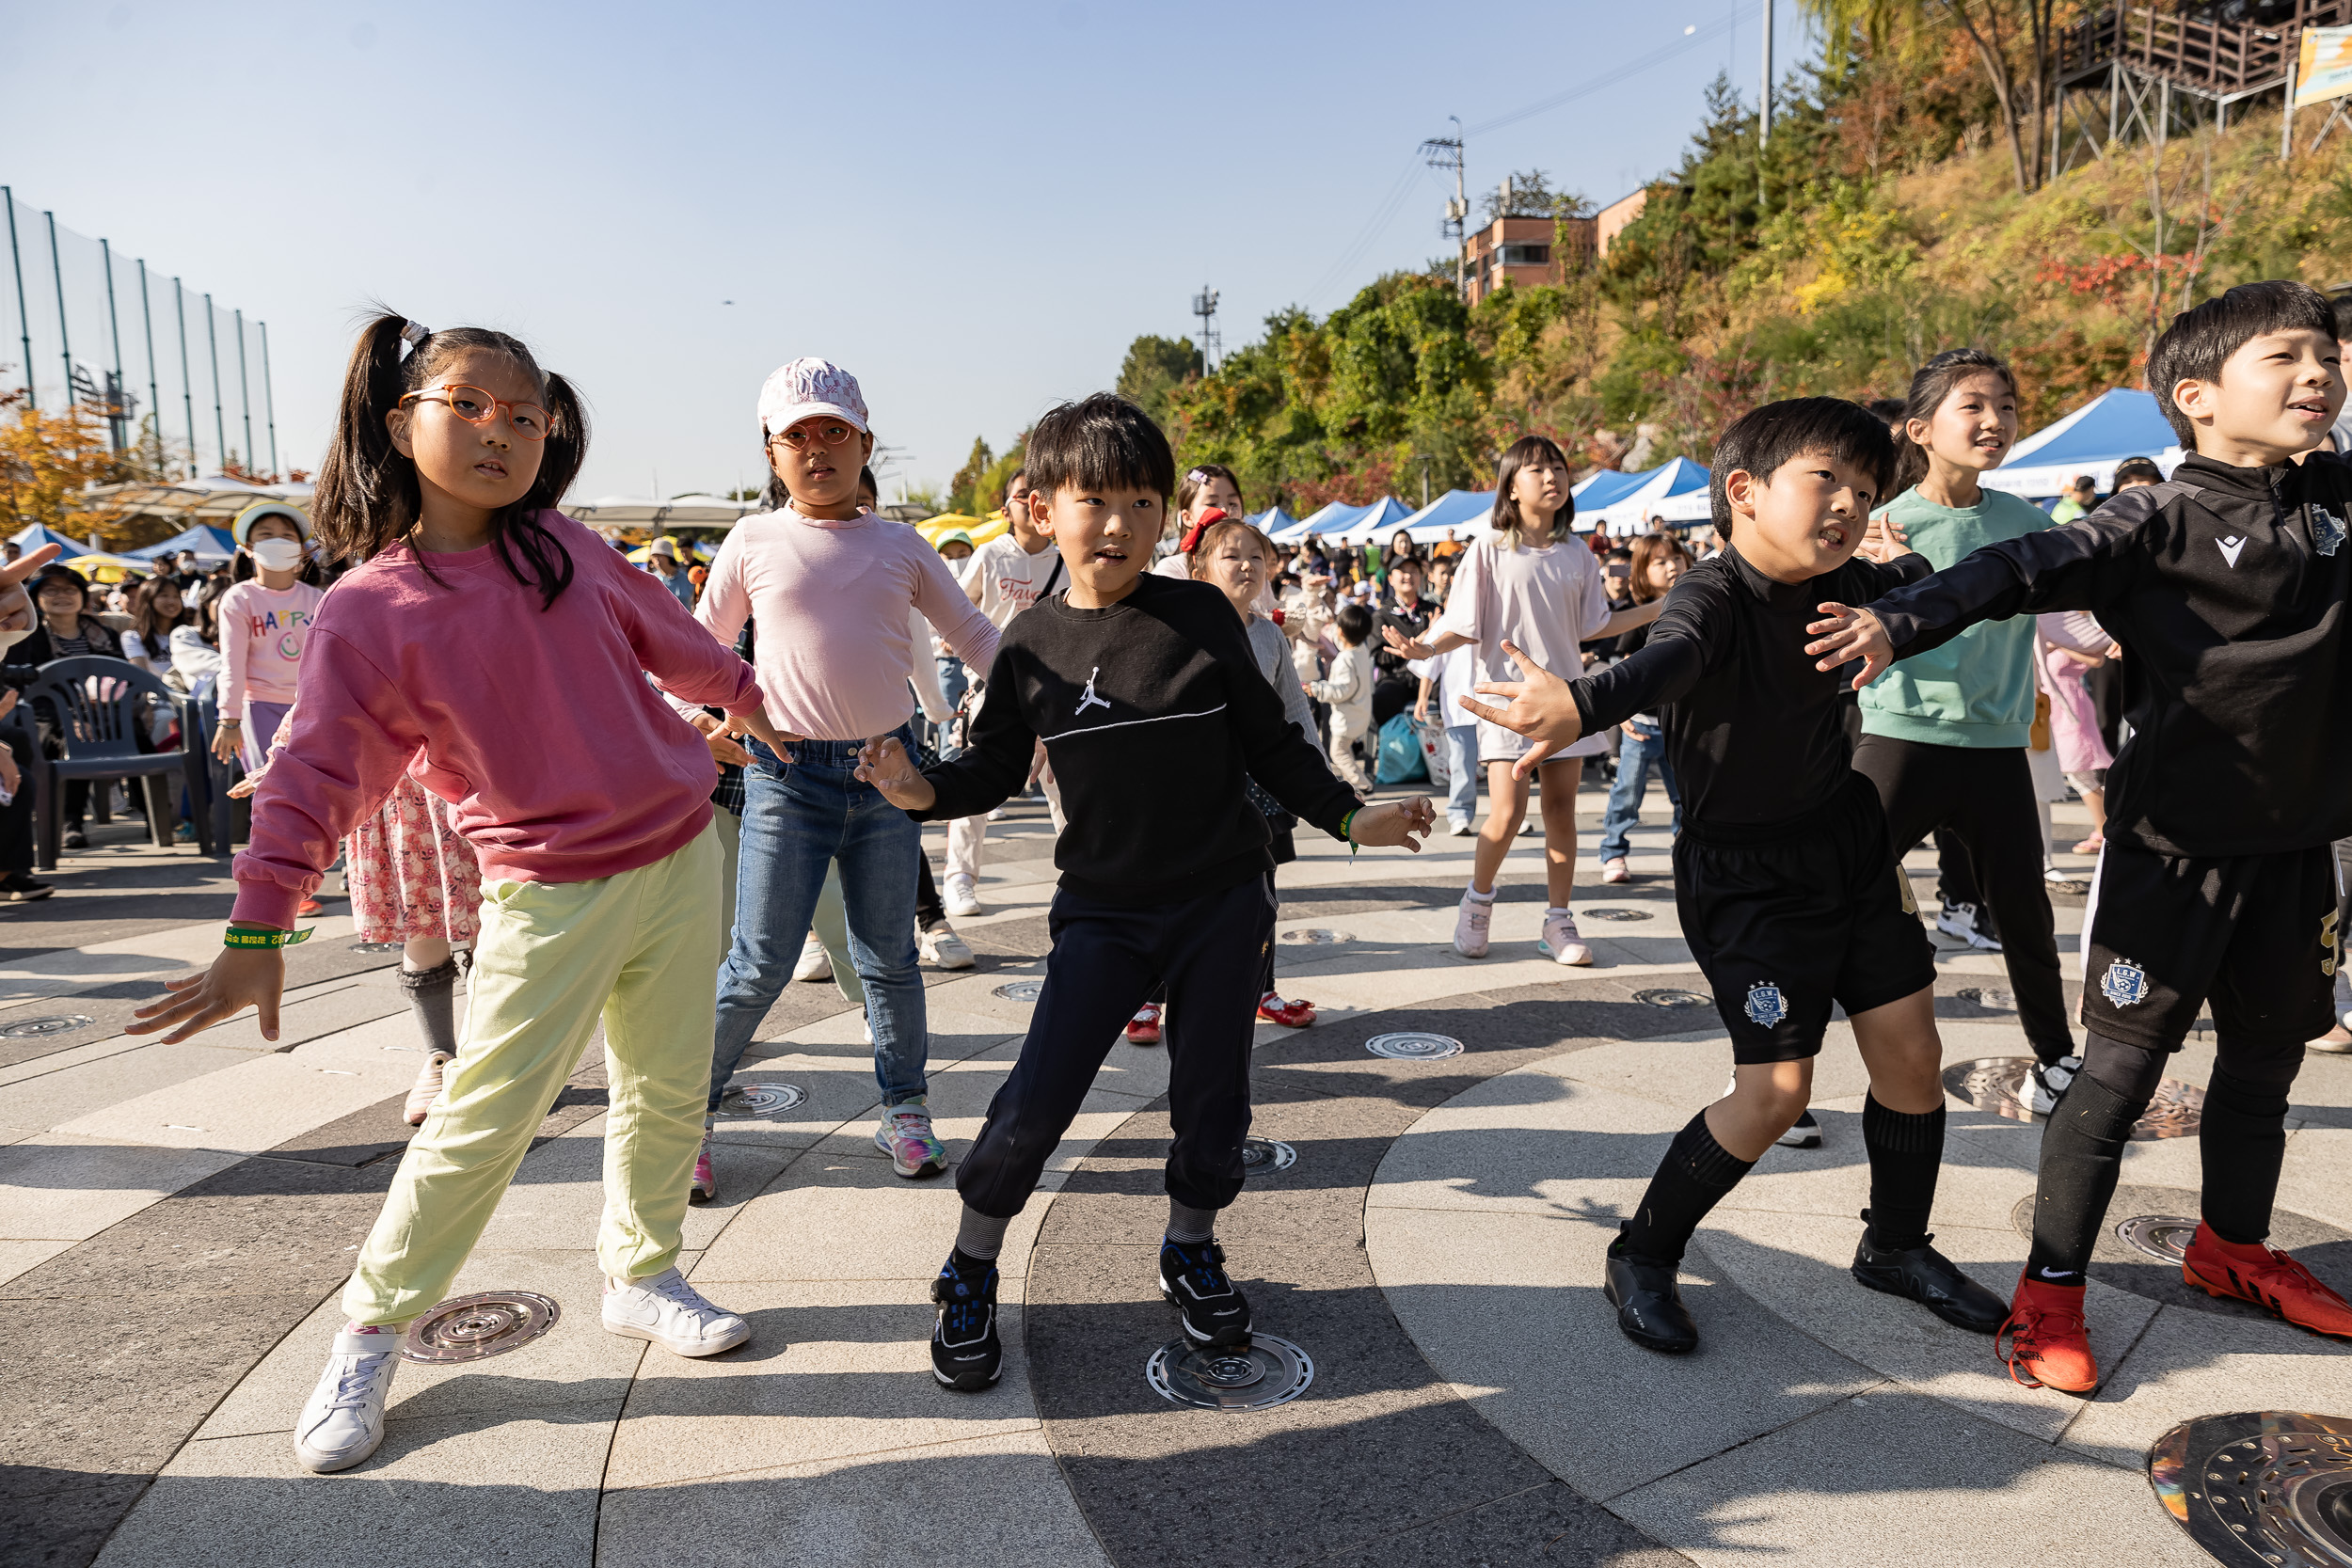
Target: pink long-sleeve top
{"points": [[830, 601], [262, 631], [538, 725]]}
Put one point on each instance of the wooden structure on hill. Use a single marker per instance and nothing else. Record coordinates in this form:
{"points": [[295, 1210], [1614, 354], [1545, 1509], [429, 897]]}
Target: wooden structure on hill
{"points": [[2168, 68]]}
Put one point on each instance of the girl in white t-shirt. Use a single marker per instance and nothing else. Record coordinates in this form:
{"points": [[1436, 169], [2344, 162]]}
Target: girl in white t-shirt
{"points": [[1534, 585]]}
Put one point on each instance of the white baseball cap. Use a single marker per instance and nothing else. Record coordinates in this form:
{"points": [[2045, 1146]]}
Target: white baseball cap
{"points": [[805, 388]]}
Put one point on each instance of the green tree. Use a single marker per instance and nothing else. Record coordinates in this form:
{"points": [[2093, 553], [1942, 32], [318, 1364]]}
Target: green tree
{"points": [[962, 490], [1153, 368]]}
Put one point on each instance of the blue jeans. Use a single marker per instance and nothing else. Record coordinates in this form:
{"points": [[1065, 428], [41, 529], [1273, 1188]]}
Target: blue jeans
{"points": [[1636, 755], [954, 681], [1461, 760], [795, 820]]}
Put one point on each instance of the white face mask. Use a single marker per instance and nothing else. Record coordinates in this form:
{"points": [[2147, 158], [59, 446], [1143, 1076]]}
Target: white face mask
{"points": [[277, 555]]}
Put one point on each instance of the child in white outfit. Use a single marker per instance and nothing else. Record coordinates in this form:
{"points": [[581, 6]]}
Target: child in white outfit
{"points": [[1348, 690]]}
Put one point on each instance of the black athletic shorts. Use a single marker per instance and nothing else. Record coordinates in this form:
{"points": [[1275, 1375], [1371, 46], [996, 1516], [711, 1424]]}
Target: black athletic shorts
{"points": [[1817, 913], [2255, 934]]}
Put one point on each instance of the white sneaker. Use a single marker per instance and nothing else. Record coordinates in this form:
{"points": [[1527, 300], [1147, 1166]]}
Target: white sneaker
{"points": [[814, 964], [1471, 923], [1960, 921], [2042, 1087], [1805, 1132], [997, 815], [1561, 941], [1614, 870], [666, 1310], [342, 1420], [960, 896], [1527, 825], [942, 949], [1460, 829]]}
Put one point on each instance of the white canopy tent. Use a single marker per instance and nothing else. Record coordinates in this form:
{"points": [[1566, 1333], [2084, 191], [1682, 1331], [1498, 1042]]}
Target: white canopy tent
{"points": [[1675, 491]]}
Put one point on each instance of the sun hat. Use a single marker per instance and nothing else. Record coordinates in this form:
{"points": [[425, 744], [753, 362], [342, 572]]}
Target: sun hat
{"points": [[805, 388], [254, 513], [953, 536], [664, 547]]}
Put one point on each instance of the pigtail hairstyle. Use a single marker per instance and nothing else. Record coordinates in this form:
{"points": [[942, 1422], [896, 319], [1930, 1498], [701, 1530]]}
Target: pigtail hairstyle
{"points": [[1929, 388], [1507, 521], [367, 497]]}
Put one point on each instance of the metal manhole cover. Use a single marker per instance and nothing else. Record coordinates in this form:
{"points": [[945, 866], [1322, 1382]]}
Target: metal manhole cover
{"points": [[2260, 1487], [33, 1028], [2162, 1237], [1995, 1084], [1413, 1045], [1313, 936], [1021, 991], [1616, 914], [1269, 1371], [468, 1328], [1265, 1156], [759, 1100], [1984, 996], [1671, 998]]}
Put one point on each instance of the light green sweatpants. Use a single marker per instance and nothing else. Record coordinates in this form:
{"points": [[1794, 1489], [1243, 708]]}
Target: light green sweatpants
{"points": [[640, 949]]}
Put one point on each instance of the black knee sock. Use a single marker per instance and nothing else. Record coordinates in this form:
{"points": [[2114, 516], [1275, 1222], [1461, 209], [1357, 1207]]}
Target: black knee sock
{"points": [[2242, 1143], [1693, 1178], [1189, 1225], [433, 997], [2082, 1154], [980, 1236], [1906, 1153]]}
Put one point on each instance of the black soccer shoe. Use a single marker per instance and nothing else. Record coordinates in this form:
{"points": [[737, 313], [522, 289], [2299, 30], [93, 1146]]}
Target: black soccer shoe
{"points": [[966, 1356], [1927, 1277], [1192, 1276], [1649, 1304]]}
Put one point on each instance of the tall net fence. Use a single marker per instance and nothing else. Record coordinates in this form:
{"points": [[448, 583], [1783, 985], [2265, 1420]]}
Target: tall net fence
{"points": [[173, 373]]}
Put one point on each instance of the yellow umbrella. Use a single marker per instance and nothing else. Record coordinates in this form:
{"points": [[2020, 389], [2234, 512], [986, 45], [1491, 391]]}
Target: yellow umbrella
{"points": [[109, 568], [687, 550]]}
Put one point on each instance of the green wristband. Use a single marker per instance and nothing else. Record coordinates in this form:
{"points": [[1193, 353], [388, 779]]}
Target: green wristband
{"points": [[1348, 828], [242, 935]]}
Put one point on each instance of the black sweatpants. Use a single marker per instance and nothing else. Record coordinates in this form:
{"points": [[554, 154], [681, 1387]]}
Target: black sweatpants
{"points": [[1105, 961], [1984, 796]]}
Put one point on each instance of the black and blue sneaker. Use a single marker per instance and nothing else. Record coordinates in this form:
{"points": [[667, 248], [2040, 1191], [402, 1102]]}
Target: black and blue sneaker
{"points": [[966, 1356], [1192, 1275]]}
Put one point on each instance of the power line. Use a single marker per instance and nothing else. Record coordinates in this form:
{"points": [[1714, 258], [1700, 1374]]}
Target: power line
{"points": [[1657, 56], [1382, 216]]}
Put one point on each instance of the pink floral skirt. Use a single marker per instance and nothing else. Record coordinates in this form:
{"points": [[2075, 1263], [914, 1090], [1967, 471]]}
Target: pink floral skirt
{"points": [[410, 874]]}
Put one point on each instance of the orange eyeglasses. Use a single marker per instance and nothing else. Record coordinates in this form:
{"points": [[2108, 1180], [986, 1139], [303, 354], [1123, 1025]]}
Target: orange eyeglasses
{"points": [[476, 406]]}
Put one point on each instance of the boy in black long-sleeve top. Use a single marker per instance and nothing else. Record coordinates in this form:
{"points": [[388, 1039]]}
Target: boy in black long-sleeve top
{"points": [[1151, 707], [1789, 894], [2227, 587]]}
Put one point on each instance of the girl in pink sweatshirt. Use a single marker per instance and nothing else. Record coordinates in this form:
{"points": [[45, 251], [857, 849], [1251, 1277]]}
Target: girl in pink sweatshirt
{"points": [[497, 652], [266, 618]]}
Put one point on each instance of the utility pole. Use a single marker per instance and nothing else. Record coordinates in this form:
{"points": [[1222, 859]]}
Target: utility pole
{"points": [[1204, 306], [244, 399], [1764, 113], [155, 391], [24, 321], [220, 420], [269, 400], [187, 381], [117, 413], [1445, 152], [65, 343]]}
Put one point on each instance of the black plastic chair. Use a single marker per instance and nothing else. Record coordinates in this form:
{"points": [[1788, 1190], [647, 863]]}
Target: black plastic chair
{"points": [[94, 704]]}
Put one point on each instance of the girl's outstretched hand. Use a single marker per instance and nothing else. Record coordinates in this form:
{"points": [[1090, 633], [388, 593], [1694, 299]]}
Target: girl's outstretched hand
{"points": [[1542, 708], [1404, 647], [240, 978], [1405, 822], [1884, 540], [1851, 634], [884, 764]]}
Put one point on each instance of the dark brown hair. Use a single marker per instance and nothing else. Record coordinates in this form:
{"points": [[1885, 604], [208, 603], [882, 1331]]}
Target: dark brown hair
{"points": [[368, 497], [1100, 442], [151, 628], [1763, 438], [1931, 384], [1647, 549], [2199, 342], [1507, 521]]}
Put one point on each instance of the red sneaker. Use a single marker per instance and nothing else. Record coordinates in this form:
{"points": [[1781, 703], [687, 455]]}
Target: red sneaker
{"points": [[1144, 1028], [2045, 1341], [2268, 1278], [310, 906], [1291, 1015]]}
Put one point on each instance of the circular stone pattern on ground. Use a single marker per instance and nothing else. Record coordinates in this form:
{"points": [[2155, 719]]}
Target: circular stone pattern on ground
{"points": [[2116, 1262]]}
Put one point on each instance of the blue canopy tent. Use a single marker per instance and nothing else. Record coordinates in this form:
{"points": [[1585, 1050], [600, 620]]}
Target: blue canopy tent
{"points": [[2114, 425], [1273, 522], [1379, 523], [213, 546], [1675, 491], [33, 538], [1327, 520], [1464, 512]]}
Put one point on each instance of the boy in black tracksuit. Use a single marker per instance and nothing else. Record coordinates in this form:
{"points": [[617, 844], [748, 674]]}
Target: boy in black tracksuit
{"points": [[1789, 893], [1153, 710], [2227, 588]]}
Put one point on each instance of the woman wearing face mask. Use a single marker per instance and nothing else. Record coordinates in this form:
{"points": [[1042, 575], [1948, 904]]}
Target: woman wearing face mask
{"points": [[264, 619]]}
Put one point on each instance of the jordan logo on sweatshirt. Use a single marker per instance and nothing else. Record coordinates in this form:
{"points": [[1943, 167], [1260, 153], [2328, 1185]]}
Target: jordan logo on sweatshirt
{"points": [[2230, 548], [1087, 699]]}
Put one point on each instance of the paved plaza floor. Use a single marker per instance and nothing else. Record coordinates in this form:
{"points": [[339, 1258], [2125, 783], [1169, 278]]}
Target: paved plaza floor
{"points": [[176, 1222]]}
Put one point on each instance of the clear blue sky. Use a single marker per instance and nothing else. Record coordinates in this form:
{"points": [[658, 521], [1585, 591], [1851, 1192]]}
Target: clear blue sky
{"points": [[973, 208]]}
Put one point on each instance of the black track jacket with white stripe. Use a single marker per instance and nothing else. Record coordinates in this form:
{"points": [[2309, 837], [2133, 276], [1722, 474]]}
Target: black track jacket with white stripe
{"points": [[1152, 711], [2227, 588]]}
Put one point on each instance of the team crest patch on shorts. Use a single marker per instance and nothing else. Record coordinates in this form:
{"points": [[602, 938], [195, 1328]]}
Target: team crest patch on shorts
{"points": [[2326, 530], [1766, 1006], [2123, 984]]}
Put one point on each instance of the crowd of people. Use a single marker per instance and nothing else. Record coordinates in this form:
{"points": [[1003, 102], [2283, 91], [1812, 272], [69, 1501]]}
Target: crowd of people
{"points": [[727, 783]]}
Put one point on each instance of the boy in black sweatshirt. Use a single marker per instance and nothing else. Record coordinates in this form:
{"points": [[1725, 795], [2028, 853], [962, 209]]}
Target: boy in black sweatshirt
{"points": [[2227, 588], [1151, 707], [1790, 894]]}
